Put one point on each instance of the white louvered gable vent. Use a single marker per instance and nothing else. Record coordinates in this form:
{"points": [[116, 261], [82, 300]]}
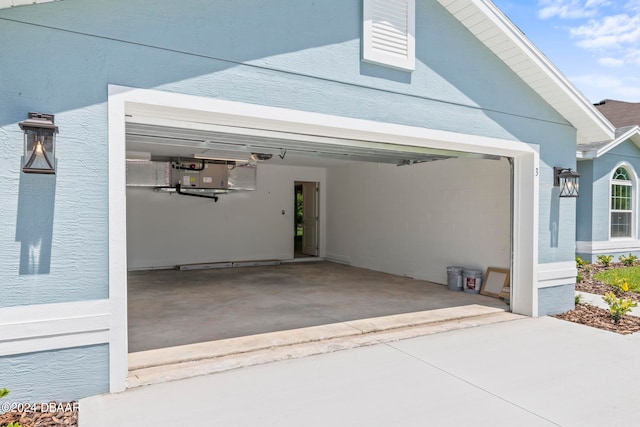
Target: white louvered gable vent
{"points": [[389, 33]]}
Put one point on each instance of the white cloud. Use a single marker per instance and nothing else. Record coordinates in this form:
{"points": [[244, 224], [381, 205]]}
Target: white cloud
{"points": [[611, 30], [632, 5], [632, 57], [608, 87], [570, 9], [611, 62]]}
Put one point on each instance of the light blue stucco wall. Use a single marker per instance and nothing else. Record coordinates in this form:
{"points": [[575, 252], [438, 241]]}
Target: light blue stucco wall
{"points": [[556, 299], [584, 205], [298, 54], [60, 375]]}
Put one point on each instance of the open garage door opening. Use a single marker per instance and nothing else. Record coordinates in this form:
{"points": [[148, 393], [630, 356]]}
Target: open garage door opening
{"points": [[386, 224], [219, 266]]}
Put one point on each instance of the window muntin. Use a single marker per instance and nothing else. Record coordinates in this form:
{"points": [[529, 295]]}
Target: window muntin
{"points": [[621, 204]]}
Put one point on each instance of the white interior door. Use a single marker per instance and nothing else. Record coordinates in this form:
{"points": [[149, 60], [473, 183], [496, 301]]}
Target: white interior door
{"points": [[310, 218]]}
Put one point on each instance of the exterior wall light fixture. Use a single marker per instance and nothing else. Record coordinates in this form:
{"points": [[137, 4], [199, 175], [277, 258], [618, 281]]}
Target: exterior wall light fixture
{"points": [[39, 143], [567, 180]]}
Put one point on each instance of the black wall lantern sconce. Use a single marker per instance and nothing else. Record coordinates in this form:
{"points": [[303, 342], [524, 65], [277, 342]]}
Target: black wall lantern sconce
{"points": [[567, 180], [39, 143]]}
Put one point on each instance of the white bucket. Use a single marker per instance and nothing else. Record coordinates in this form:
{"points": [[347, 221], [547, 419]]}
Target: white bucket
{"points": [[454, 278], [471, 280]]}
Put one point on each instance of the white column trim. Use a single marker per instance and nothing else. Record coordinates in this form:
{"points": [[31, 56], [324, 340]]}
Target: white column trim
{"points": [[29, 328], [118, 342], [526, 183], [556, 274]]}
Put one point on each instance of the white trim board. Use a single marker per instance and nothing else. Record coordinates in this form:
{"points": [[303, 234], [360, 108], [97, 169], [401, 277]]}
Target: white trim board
{"points": [[190, 110], [53, 326], [556, 274], [614, 245]]}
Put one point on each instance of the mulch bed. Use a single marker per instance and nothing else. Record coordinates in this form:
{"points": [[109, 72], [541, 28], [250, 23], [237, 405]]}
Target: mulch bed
{"points": [[38, 418], [600, 318], [595, 316]]}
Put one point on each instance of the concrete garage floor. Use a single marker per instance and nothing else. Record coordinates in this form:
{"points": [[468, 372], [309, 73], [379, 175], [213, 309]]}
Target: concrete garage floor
{"points": [[170, 308]]}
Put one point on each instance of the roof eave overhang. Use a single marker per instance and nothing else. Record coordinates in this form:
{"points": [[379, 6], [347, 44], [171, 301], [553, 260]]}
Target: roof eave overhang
{"points": [[506, 41], [632, 134]]}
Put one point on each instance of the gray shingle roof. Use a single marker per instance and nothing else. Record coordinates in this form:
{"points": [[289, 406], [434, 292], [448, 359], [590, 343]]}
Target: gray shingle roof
{"points": [[621, 114]]}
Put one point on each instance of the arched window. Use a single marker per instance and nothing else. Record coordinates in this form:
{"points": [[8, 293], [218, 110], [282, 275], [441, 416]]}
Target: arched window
{"points": [[621, 203]]}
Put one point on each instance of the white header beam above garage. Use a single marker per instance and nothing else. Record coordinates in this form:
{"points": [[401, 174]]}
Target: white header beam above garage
{"points": [[311, 129], [506, 41]]}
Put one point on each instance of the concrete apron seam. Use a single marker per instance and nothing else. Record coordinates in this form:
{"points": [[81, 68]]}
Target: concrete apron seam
{"points": [[451, 374], [189, 361]]}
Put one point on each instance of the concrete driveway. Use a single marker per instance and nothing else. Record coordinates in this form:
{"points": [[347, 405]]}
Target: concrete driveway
{"points": [[528, 372]]}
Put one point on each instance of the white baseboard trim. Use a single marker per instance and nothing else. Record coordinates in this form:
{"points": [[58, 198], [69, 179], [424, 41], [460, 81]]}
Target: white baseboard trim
{"points": [[556, 274], [166, 267], [608, 246], [339, 259], [432, 278], [42, 327]]}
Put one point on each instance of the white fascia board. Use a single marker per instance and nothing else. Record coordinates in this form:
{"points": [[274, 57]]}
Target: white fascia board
{"points": [[548, 81], [5, 4]]}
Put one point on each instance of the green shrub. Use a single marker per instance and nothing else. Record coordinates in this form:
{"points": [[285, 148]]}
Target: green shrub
{"points": [[629, 260], [581, 262], [579, 278], [578, 299], [605, 259], [618, 307]]}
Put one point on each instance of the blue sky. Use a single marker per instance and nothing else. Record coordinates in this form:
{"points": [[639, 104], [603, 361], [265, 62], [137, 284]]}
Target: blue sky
{"points": [[595, 43]]}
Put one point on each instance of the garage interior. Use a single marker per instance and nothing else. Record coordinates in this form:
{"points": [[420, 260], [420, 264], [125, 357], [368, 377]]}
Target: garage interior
{"points": [[377, 228]]}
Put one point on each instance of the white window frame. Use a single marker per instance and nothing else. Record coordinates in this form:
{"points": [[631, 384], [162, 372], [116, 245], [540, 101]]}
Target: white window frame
{"points": [[380, 35], [633, 180]]}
